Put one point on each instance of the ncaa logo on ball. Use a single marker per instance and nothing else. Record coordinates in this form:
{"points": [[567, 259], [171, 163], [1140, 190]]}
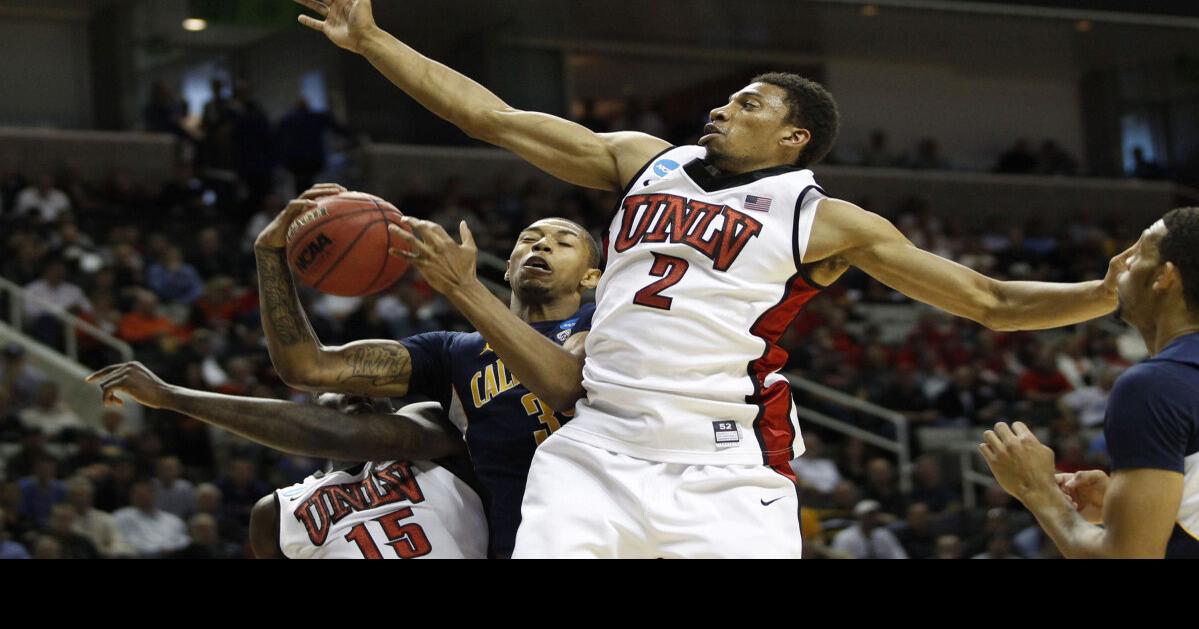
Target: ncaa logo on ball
{"points": [[663, 166], [313, 251]]}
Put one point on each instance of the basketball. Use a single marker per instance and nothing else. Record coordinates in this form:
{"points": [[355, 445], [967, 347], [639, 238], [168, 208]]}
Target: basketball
{"points": [[340, 247]]}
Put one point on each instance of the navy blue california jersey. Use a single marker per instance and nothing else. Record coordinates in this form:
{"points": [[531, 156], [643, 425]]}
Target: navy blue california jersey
{"points": [[503, 422], [1153, 422]]}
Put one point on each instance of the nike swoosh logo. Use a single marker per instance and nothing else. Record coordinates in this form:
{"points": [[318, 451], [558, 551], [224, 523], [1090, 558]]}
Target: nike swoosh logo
{"points": [[767, 504]]}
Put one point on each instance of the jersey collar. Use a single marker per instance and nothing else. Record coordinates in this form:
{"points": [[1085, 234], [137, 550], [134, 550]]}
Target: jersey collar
{"points": [[710, 179]]}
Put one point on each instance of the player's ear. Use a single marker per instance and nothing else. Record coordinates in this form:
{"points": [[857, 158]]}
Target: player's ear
{"points": [[797, 137], [1167, 278], [590, 279], [507, 271]]}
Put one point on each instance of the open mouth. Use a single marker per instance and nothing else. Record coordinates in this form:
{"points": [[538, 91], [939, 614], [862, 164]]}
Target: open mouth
{"points": [[710, 130], [537, 263]]}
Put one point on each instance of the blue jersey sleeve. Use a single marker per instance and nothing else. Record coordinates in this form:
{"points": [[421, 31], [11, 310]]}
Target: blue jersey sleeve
{"points": [[431, 368], [586, 311], [1147, 419]]}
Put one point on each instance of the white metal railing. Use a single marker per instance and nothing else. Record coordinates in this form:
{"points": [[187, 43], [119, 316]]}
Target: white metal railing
{"points": [[71, 325], [971, 477], [898, 445]]}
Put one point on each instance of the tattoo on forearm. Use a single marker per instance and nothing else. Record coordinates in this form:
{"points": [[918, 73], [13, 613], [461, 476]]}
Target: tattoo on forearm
{"points": [[280, 306], [379, 366]]}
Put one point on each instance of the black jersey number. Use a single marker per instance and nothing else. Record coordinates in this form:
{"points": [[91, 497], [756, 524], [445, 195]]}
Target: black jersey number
{"points": [[671, 270]]}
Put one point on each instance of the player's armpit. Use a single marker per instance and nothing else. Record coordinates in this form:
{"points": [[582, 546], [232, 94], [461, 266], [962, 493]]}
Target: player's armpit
{"points": [[378, 368], [567, 150], [871, 243], [1139, 512]]}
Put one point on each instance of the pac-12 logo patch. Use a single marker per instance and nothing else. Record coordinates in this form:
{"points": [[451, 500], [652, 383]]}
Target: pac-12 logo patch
{"points": [[663, 166], [563, 335]]}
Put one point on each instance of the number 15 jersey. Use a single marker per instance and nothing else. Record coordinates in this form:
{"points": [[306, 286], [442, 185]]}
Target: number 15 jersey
{"points": [[704, 274]]}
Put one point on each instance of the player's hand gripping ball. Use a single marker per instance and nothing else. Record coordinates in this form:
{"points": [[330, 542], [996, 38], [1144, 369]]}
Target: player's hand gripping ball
{"points": [[341, 245]]}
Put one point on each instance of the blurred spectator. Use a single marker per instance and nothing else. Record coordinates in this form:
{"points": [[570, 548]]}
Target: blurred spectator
{"points": [[948, 547], [43, 202], [815, 471], [241, 488], [1071, 455], [867, 538], [146, 323], [33, 448], [916, 533], [998, 547], [205, 542], [97, 526], [253, 143], [877, 153], [1042, 386], [165, 112], [216, 123], [113, 488], [46, 547], [1088, 405], [9, 549], [1019, 159], [13, 520], [301, 142], [41, 491], [19, 378], [151, 532], [62, 527], [931, 488], [51, 415], [967, 401], [52, 293], [1144, 168], [928, 156], [210, 502], [176, 495], [1056, 161], [213, 257], [174, 280], [882, 487]]}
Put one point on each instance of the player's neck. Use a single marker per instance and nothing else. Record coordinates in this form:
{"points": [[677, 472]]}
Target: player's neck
{"points": [[1171, 325], [549, 310], [729, 168]]}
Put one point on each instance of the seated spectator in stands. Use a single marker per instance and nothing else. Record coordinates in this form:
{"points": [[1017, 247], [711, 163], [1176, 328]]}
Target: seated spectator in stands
{"points": [[146, 324], [210, 502], [97, 526], [300, 139], [113, 489], [967, 400], [930, 487], [916, 533], [876, 152], [165, 112], [928, 156], [241, 488], [948, 547], [9, 549], [176, 494], [151, 531], [205, 542], [1088, 405], [816, 472], [89, 450], [1071, 455], [222, 304], [882, 486], [113, 434], [173, 280], [867, 538], [50, 415], [33, 448], [46, 547], [41, 491], [76, 248], [1144, 168], [42, 202], [61, 526], [213, 257], [905, 395], [1019, 159], [52, 293], [1042, 386], [999, 546], [1054, 160], [19, 378]]}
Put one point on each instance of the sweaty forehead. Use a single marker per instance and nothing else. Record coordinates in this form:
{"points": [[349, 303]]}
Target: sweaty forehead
{"points": [[553, 225]]}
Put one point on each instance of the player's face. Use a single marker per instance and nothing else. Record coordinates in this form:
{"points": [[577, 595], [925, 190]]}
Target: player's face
{"points": [[1134, 285], [551, 258], [752, 127]]}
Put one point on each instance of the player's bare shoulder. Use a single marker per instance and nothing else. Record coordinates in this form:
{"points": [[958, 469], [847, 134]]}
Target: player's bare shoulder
{"points": [[631, 150]]}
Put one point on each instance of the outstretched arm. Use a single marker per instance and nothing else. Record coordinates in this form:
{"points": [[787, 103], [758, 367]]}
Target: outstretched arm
{"points": [[302, 429], [379, 368], [559, 147], [871, 243]]}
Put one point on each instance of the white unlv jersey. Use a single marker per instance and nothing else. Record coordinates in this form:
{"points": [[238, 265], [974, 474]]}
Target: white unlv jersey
{"points": [[384, 510], [703, 276]]}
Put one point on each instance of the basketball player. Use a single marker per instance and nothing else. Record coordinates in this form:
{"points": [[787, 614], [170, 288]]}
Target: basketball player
{"points": [[399, 504], [553, 262], [681, 441], [1149, 508]]}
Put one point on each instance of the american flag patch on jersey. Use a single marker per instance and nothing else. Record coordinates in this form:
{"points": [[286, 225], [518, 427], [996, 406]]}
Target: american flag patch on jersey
{"points": [[758, 204]]}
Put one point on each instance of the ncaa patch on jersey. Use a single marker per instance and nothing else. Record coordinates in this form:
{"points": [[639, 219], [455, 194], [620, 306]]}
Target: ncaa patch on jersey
{"points": [[726, 433], [664, 166]]}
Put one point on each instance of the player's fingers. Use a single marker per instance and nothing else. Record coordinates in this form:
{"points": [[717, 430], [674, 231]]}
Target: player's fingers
{"points": [[322, 190], [1021, 429], [418, 251], [103, 373], [315, 5], [311, 22], [987, 452], [468, 239], [429, 232], [991, 439], [1063, 479], [1004, 432]]}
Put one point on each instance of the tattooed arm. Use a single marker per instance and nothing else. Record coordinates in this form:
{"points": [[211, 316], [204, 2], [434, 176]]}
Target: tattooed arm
{"points": [[378, 368], [415, 432]]}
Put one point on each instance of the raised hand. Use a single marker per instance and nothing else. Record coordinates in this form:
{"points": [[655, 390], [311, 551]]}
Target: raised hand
{"points": [[274, 235], [346, 23], [445, 264], [1019, 461]]}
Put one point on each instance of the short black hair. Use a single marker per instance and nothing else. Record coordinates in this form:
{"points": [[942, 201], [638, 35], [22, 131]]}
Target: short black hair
{"points": [[1180, 245], [812, 108]]}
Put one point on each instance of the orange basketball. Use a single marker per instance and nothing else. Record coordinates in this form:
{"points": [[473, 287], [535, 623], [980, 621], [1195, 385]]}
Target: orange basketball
{"points": [[340, 247]]}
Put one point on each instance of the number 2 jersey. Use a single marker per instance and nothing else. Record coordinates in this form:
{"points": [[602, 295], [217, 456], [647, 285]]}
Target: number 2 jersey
{"points": [[387, 510], [502, 420], [704, 273]]}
